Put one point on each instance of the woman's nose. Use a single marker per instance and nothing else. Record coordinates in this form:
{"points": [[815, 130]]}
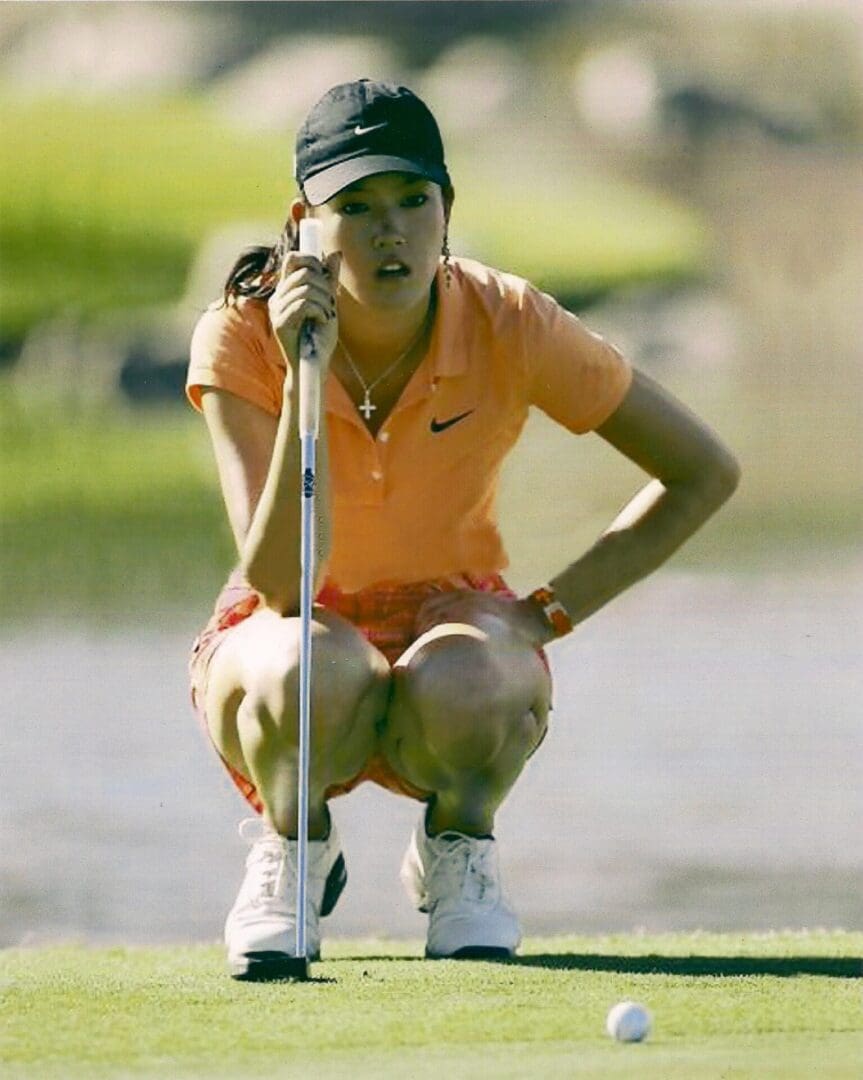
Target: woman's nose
{"points": [[387, 231]]}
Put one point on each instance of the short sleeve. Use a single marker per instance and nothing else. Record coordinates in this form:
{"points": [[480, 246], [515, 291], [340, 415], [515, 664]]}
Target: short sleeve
{"points": [[228, 351], [574, 375]]}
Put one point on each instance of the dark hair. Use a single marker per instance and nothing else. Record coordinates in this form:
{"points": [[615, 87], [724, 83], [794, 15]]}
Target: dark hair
{"points": [[255, 271]]}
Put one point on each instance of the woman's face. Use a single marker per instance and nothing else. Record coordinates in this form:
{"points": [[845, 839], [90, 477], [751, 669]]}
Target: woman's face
{"points": [[389, 229]]}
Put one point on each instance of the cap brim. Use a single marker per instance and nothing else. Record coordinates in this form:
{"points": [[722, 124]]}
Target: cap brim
{"points": [[329, 182]]}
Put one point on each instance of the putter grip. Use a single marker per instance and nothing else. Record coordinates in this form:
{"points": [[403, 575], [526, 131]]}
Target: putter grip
{"points": [[310, 368]]}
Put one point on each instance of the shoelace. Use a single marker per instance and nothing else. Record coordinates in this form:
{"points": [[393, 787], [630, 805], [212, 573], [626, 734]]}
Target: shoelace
{"points": [[268, 856], [461, 865]]}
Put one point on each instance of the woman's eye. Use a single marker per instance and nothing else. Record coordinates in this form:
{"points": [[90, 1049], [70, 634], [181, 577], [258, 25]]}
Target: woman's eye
{"points": [[416, 200], [353, 208]]}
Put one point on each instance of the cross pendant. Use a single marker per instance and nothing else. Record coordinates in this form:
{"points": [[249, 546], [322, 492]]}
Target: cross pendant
{"points": [[367, 408]]}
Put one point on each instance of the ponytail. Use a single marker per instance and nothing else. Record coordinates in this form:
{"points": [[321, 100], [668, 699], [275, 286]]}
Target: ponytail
{"points": [[255, 272]]}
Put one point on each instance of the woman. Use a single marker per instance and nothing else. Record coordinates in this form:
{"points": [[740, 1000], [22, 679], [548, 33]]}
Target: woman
{"points": [[429, 675]]}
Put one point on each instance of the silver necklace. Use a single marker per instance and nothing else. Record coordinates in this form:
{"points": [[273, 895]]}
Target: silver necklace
{"points": [[367, 408]]}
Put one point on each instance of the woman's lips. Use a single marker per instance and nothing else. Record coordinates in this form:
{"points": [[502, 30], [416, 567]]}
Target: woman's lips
{"points": [[392, 269]]}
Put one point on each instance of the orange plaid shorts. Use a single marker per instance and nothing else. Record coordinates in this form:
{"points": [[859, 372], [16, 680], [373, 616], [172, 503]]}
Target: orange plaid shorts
{"points": [[386, 616]]}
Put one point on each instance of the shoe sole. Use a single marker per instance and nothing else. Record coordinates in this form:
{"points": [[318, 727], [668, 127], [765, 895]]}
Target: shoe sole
{"points": [[271, 967], [474, 952]]}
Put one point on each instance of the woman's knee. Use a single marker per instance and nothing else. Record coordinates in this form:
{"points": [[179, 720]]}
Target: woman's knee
{"points": [[475, 696], [349, 678]]}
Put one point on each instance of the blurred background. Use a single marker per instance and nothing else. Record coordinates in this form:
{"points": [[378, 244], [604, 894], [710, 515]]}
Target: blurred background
{"points": [[684, 175]]}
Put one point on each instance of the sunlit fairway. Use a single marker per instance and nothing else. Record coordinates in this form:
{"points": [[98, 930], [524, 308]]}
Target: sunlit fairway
{"points": [[764, 1005], [122, 228]]}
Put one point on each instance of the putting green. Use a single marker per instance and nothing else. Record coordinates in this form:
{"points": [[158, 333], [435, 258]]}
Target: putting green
{"points": [[759, 1005]]}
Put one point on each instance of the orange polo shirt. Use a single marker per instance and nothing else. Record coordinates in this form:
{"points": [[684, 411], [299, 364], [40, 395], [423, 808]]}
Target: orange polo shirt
{"points": [[418, 500]]}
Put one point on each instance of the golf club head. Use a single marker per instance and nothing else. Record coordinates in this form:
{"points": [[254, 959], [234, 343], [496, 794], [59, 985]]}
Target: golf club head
{"points": [[296, 969], [271, 967]]}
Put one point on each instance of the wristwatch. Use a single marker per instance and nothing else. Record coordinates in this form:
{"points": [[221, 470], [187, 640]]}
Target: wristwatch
{"points": [[555, 613]]}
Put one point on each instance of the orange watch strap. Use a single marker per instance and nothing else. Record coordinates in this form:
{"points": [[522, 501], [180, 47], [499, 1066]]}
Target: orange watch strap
{"points": [[555, 612]]}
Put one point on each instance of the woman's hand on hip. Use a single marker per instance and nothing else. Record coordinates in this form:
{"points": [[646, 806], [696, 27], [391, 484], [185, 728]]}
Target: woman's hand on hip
{"points": [[486, 611], [306, 292]]}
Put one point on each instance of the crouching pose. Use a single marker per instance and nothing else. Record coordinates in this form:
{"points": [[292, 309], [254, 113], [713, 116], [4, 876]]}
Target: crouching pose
{"points": [[428, 674]]}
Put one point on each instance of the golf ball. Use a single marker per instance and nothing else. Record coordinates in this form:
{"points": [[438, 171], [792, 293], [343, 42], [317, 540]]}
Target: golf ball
{"points": [[628, 1022]]}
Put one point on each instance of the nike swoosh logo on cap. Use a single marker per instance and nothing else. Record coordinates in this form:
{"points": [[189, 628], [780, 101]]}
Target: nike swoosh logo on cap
{"points": [[365, 130], [442, 425]]}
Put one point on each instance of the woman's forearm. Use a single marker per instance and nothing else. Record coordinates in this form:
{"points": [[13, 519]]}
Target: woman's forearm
{"points": [[271, 551], [645, 533]]}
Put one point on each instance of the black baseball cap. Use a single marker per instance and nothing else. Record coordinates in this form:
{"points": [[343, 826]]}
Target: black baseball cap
{"points": [[361, 128]]}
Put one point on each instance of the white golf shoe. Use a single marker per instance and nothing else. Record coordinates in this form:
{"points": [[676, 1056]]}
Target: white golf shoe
{"points": [[456, 879], [261, 927]]}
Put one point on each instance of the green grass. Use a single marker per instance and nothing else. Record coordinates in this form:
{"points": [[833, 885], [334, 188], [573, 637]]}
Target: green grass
{"points": [[104, 203], [763, 1005], [102, 206], [569, 228], [114, 514]]}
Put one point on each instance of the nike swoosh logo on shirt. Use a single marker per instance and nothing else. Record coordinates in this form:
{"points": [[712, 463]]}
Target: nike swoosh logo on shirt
{"points": [[442, 425], [365, 130]]}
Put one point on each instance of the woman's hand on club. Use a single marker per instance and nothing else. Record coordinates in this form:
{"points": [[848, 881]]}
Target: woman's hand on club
{"points": [[306, 292]]}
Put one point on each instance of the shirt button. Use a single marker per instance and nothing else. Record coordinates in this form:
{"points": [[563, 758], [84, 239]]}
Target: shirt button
{"points": [[384, 436], [377, 474]]}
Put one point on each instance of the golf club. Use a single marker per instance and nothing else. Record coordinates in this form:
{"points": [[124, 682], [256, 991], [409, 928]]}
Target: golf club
{"points": [[309, 420]]}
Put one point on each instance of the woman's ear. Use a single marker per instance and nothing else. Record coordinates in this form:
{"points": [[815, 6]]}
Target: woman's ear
{"points": [[299, 209]]}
